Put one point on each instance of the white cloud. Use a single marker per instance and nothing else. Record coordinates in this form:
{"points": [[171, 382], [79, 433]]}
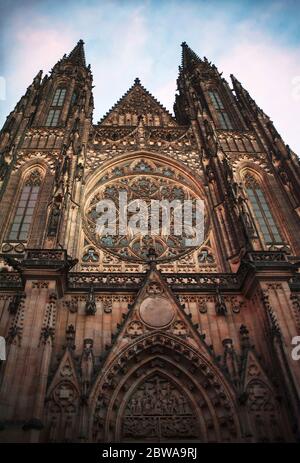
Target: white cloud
{"points": [[126, 40]]}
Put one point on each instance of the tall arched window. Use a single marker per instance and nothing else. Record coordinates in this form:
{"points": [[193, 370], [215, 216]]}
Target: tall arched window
{"points": [[55, 109], [23, 216], [261, 211], [223, 117]]}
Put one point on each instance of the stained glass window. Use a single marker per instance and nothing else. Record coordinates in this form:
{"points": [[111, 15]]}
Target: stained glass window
{"points": [[223, 118], [261, 211], [27, 201], [52, 118], [59, 97], [55, 109]]}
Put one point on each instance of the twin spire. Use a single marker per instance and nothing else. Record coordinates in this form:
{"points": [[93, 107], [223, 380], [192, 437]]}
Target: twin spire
{"points": [[190, 59], [77, 55]]}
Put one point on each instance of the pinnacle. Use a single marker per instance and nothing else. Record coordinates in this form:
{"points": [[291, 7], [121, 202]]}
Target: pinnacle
{"points": [[188, 55], [77, 55], [242, 93], [234, 79], [237, 83]]}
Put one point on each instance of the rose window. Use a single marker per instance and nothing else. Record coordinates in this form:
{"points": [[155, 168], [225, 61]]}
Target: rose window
{"points": [[150, 189]]}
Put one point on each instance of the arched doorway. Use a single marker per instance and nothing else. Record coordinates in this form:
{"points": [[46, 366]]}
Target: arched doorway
{"points": [[161, 389]]}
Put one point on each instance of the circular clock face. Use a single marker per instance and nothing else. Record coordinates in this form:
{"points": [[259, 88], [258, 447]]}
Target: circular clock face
{"points": [[132, 211], [156, 311]]}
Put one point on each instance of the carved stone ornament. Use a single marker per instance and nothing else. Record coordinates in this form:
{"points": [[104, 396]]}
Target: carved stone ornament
{"points": [[130, 244], [158, 409], [157, 311]]}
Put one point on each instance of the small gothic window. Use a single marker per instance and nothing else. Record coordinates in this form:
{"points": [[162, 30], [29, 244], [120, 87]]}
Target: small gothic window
{"points": [[261, 211], [59, 97], [23, 216], [52, 118], [223, 118], [55, 109]]}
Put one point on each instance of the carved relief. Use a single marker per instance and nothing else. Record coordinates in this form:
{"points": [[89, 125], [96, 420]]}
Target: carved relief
{"points": [[62, 411], [16, 327], [158, 409], [48, 328], [264, 412], [62, 401], [156, 312], [136, 328], [40, 284], [179, 328]]}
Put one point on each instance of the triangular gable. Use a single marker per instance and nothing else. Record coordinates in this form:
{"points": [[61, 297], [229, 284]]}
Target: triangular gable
{"points": [[252, 370], [136, 103], [65, 372], [157, 309]]}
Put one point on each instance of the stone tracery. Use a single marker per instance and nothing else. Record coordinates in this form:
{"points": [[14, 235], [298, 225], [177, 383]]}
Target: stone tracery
{"points": [[146, 180]]}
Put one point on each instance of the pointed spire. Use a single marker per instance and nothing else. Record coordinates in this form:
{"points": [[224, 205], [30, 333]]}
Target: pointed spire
{"points": [[37, 79], [190, 60], [77, 55], [189, 57], [244, 98]]}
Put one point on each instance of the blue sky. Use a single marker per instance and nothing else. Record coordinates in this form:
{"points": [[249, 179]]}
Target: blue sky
{"points": [[258, 41]]}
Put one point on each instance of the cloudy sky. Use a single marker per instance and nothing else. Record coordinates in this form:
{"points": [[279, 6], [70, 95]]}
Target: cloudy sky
{"points": [[257, 41]]}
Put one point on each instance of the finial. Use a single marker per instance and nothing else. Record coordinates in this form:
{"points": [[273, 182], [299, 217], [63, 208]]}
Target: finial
{"points": [[152, 257], [137, 81]]}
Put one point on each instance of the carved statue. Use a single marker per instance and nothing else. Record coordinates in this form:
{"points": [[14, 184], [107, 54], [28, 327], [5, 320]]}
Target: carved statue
{"points": [[90, 306], [54, 219], [87, 364]]}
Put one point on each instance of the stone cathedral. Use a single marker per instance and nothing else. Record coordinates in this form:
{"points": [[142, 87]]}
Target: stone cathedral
{"points": [[138, 338]]}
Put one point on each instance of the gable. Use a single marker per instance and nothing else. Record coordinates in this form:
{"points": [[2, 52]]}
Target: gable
{"points": [[138, 103], [156, 310]]}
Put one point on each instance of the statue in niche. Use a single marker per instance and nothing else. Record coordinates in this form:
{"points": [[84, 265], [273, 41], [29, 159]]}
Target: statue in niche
{"points": [[87, 364], [54, 219], [90, 306]]}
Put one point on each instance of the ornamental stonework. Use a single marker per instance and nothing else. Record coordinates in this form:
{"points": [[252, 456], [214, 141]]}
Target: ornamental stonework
{"points": [[126, 338]]}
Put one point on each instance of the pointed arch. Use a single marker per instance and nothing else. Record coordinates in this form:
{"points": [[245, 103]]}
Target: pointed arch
{"points": [[56, 106], [62, 402], [21, 223], [159, 402], [267, 421], [260, 207], [223, 119], [204, 387]]}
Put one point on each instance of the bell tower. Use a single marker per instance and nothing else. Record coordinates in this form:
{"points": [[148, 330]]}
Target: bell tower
{"points": [[51, 125], [207, 103]]}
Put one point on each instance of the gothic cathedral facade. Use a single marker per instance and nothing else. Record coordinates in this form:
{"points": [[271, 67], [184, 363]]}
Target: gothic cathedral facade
{"points": [[132, 338]]}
